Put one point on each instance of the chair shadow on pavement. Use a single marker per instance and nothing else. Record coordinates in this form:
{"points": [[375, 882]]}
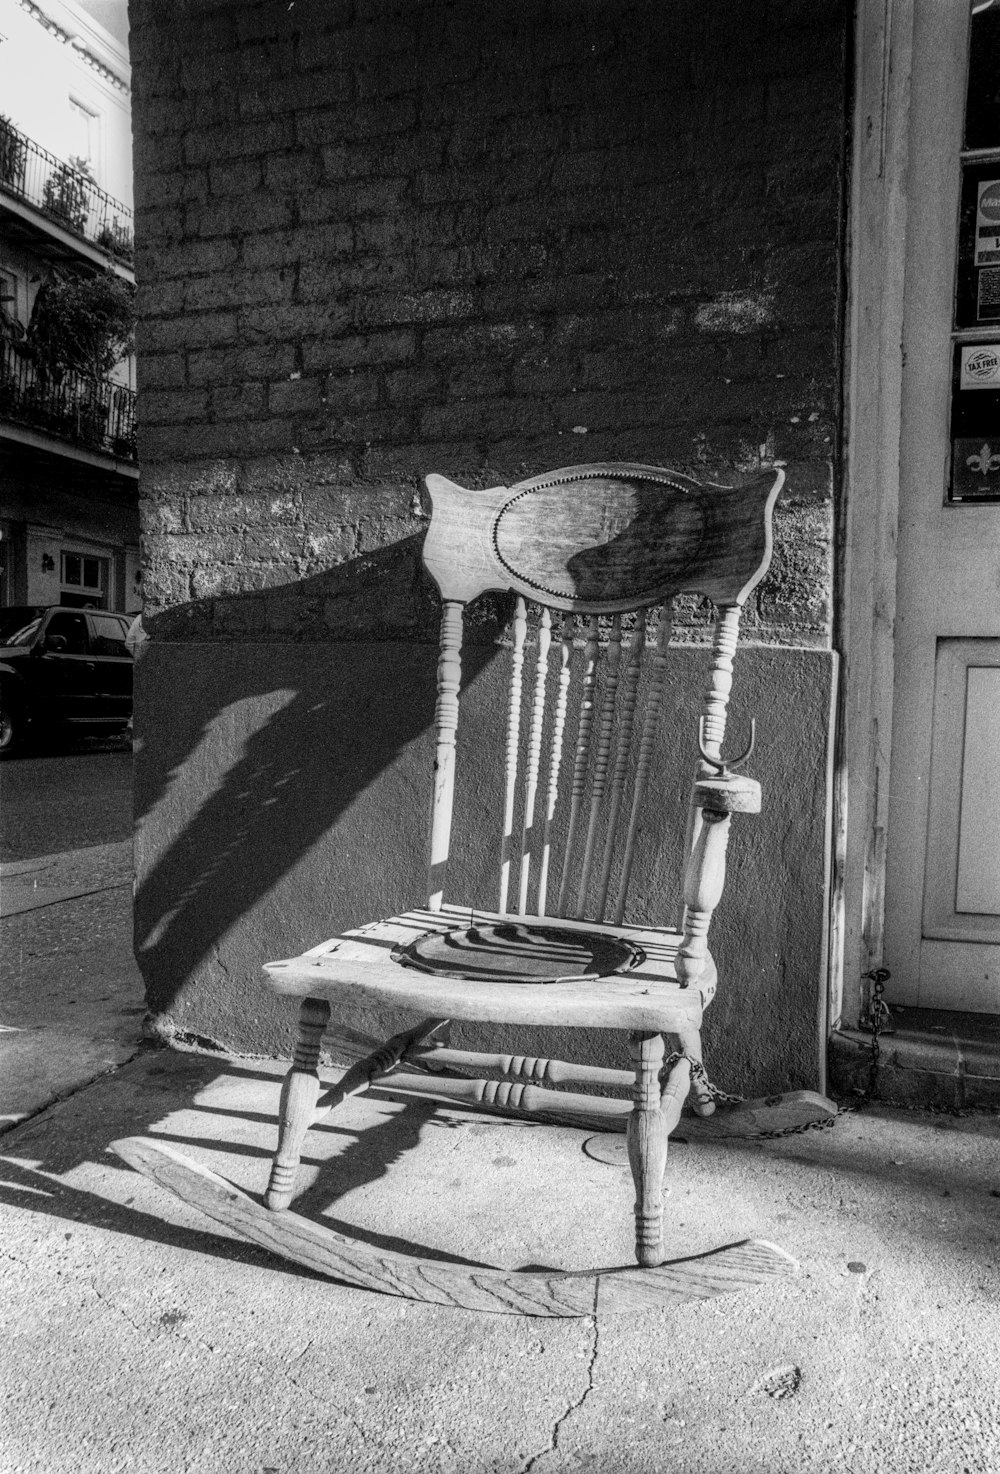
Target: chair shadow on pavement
{"points": [[58, 1164], [367, 1157]]}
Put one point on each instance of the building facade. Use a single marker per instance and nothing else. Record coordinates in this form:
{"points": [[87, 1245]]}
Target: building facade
{"points": [[68, 471], [376, 240]]}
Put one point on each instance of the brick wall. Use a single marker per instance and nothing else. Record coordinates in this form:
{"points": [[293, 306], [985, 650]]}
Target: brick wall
{"points": [[376, 239]]}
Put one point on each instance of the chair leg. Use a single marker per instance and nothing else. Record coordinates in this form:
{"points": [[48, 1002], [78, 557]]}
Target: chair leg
{"points": [[299, 1095], [647, 1148]]}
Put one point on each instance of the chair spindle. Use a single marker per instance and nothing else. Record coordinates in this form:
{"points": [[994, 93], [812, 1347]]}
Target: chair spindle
{"points": [[534, 759], [599, 780], [716, 703], [582, 758], [727, 630], [555, 758], [623, 749], [513, 746], [449, 680], [651, 720]]}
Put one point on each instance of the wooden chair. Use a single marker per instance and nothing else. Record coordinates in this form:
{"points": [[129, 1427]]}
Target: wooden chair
{"points": [[600, 551]]}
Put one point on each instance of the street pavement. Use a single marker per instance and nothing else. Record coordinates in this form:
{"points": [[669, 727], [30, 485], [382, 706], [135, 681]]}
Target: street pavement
{"points": [[68, 799], [139, 1338], [71, 997]]}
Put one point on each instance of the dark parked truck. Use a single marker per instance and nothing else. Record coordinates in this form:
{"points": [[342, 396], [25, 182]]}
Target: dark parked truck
{"points": [[65, 669]]}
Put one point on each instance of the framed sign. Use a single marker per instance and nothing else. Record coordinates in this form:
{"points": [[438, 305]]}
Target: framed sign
{"points": [[975, 423]]}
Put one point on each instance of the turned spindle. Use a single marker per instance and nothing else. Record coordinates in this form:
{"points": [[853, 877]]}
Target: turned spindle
{"points": [[581, 759], [623, 751], [650, 726], [449, 680], [534, 759], [602, 758], [555, 759], [520, 631]]}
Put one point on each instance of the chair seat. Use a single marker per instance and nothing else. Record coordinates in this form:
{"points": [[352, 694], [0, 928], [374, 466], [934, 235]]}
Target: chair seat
{"points": [[480, 965]]}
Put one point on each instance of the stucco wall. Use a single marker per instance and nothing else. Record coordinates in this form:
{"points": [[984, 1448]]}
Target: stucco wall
{"points": [[285, 798]]}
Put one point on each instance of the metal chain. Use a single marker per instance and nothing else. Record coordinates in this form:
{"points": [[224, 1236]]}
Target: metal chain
{"points": [[878, 1017], [699, 1073]]}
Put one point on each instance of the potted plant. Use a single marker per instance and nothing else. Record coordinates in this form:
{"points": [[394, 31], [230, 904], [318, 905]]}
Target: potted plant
{"points": [[65, 193], [80, 328], [83, 323], [116, 239]]}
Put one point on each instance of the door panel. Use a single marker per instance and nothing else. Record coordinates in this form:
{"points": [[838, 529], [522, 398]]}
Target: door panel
{"points": [[961, 975], [978, 882], [962, 878]]}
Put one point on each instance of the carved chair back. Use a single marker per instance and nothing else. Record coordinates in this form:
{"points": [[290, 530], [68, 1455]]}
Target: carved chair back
{"points": [[595, 556]]}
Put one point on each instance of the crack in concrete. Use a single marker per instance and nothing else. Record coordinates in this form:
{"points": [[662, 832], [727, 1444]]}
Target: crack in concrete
{"points": [[574, 1406], [105, 1300], [325, 1401], [32, 1116], [329, 1406], [174, 1332]]}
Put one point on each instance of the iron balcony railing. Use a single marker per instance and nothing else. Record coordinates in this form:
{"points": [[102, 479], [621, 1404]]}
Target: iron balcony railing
{"points": [[94, 413], [63, 192]]}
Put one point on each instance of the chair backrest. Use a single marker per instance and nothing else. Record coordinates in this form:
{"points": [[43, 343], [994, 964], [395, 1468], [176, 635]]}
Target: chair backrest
{"points": [[592, 548]]}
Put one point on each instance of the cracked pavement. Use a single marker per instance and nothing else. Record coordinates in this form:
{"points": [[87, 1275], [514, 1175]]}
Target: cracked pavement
{"points": [[138, 1336]]}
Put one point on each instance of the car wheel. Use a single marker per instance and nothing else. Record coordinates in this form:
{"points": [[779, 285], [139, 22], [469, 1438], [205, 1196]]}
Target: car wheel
{"points": [[12, 724]]}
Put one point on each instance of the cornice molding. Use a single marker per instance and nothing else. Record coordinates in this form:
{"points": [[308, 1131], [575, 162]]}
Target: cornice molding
{"points": [[78, 45]]}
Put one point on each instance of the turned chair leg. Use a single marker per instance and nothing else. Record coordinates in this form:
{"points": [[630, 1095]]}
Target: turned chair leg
{"points": [[647, 1148], [299, 1095]]}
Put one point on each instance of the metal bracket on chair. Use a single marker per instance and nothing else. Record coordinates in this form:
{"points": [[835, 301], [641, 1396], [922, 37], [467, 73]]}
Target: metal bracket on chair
{"points": [[722, 767]]}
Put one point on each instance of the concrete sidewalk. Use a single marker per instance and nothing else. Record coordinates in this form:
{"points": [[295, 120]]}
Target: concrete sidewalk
{"points": [[140, 1337], [71, 1003]]}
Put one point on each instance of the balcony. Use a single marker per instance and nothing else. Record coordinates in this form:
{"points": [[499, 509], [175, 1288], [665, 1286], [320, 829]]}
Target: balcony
{"points": [[96, 416], [51, 199]]}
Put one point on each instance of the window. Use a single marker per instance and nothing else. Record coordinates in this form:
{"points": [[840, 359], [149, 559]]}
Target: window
{"points": [[72, 628], [975, 398], [83, 581], [84, 133], [109, 635]]}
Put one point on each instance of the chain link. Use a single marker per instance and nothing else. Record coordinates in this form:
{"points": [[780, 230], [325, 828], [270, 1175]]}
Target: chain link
{"points": [[700, 1074], [878, 1017]]}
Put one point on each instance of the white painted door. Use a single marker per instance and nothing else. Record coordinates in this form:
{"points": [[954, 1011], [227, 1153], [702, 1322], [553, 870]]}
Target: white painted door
{"points": [[942, 895]]}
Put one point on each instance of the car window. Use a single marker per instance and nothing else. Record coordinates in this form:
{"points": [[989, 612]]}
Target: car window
{"points": [[73, 628], [109, 635], [24, 634]]}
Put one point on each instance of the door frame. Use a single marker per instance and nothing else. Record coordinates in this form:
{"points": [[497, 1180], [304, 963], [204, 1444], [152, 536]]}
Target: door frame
{"points": [[879, 331], [866, 582]]}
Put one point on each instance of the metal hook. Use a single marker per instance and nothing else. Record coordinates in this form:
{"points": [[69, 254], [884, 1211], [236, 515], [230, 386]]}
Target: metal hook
{"points": [[723, 767]]}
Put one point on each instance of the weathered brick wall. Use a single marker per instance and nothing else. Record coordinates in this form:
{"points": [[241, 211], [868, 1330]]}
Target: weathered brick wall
{"points": [[376, 239]]}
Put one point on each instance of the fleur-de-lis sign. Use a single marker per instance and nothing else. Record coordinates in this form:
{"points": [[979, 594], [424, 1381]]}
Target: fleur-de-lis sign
{"points": [[985, 462]]}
